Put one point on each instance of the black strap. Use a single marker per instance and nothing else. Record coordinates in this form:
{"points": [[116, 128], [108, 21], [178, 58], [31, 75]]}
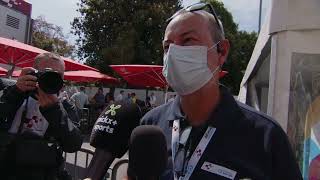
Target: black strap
{"points": [[23, 116]]}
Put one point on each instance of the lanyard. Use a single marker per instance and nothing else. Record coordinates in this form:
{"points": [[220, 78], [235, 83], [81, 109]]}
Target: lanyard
{"points": [[23, 117], [196, 155]]}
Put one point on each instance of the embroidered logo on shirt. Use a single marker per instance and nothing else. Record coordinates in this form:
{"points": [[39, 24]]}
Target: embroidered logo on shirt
{"points": [[219, 170]]}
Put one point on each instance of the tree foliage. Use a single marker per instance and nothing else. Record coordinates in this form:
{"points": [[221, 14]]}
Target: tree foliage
{"points": [[131, 32], [242, 44], [121, 32], [50, 37]]}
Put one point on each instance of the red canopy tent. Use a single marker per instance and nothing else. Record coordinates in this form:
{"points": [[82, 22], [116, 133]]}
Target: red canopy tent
{"points": [[89, 76], [3, 71], [144, 75], [16, 73], [22, 55], [78, 76], [141, 76]]}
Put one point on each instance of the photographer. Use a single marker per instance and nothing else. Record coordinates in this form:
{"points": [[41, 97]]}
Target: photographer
{"points": [[35, 125]]}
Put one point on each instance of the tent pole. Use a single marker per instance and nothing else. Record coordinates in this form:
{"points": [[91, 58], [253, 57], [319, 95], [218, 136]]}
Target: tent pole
{"points": [[10, 72], [260, 11], [147, 93]]}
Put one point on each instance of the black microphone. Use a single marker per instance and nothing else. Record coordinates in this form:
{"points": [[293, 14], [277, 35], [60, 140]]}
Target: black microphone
{"points": [[148, 155], [110, 135]]}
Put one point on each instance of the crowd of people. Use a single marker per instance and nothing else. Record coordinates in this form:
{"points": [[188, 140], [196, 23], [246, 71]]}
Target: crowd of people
{"points": [[81, 100]]}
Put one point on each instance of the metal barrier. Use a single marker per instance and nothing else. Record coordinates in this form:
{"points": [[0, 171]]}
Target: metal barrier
{"points": [[116, 167], [84, 123], [79, 172], [73, 166]]}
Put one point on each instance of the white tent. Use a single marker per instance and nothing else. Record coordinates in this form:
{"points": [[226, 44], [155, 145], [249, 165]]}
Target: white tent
{"points": [[283, 75]]}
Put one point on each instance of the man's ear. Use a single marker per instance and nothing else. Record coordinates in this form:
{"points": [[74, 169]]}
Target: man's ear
{"points": [[219, 48], [223, 50]]}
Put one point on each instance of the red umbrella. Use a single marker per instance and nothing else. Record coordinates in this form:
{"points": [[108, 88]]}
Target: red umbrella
{"points": [[81, 76], [15, 73], [144, 75], [3, 71], [71, 65], [89, 76], [19, 54], [141, 75]]}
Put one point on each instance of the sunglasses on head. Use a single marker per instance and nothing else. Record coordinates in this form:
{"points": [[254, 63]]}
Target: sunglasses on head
{"points": [[197, 7]]}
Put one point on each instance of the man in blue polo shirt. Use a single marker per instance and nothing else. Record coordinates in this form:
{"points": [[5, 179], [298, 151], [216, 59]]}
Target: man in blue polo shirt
{"points": [[209, 134]]}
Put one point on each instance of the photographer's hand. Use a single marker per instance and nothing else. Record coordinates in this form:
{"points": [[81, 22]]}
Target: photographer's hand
{"points": [[26, 82], [46, 100]]}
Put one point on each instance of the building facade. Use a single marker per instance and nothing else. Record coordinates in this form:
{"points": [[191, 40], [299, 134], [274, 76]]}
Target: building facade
{"points": [[15, 20]]}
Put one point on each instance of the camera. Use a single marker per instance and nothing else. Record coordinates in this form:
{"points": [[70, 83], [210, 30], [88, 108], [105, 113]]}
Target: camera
{"points": [[49, 81]]}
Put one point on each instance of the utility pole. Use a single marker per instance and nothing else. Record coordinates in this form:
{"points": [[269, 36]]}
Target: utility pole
{"points": [[260, 11]]}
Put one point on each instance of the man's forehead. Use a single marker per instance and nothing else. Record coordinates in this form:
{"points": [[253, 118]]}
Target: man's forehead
{"points": [[54, 64], [188, 21]]}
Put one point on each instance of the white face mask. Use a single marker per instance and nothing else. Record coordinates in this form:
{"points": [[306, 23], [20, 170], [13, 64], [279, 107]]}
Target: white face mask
{"points": [[186, 68]]}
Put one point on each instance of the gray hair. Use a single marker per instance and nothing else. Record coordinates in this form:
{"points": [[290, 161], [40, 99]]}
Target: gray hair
{"points": [[217, 34], [47, 57]]}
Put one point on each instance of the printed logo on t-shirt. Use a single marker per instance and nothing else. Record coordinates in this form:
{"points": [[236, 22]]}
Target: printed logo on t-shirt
{"points": [[105, 122], [34, 123], [113, 109]]}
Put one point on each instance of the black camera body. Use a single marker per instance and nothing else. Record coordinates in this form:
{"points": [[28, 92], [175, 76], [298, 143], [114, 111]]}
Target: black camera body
{"points": [[49, 81]]}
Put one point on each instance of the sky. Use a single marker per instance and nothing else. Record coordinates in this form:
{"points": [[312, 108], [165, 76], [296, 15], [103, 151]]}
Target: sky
{"points": [[244, 12], [62, 12]]}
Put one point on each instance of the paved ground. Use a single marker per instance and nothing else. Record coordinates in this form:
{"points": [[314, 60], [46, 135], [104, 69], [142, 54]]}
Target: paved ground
{"points": [[78, 171]]}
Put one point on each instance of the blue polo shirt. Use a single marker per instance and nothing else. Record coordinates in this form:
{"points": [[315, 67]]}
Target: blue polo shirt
{"points": [[246, 142]]}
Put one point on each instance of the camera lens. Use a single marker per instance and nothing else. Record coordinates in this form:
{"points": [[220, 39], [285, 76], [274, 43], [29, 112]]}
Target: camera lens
{"points": [[50, 82]]}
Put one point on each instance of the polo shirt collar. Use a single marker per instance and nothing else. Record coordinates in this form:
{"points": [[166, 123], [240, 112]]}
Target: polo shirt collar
{"points": [[227, 113], [224, 115], [175, 111]]}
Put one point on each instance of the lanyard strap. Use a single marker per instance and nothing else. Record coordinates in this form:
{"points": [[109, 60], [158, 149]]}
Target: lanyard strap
{"points": [[23, 116], [175, 138], [196, 155]]}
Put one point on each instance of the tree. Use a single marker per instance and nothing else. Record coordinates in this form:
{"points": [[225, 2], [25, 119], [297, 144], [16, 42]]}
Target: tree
{"points": [[131, 32], [121, 32], [242, 44], [50, 37]]}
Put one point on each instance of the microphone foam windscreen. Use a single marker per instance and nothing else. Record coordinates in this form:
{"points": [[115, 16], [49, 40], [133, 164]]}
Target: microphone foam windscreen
{"points": [[112, 129], [148, 154]]}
